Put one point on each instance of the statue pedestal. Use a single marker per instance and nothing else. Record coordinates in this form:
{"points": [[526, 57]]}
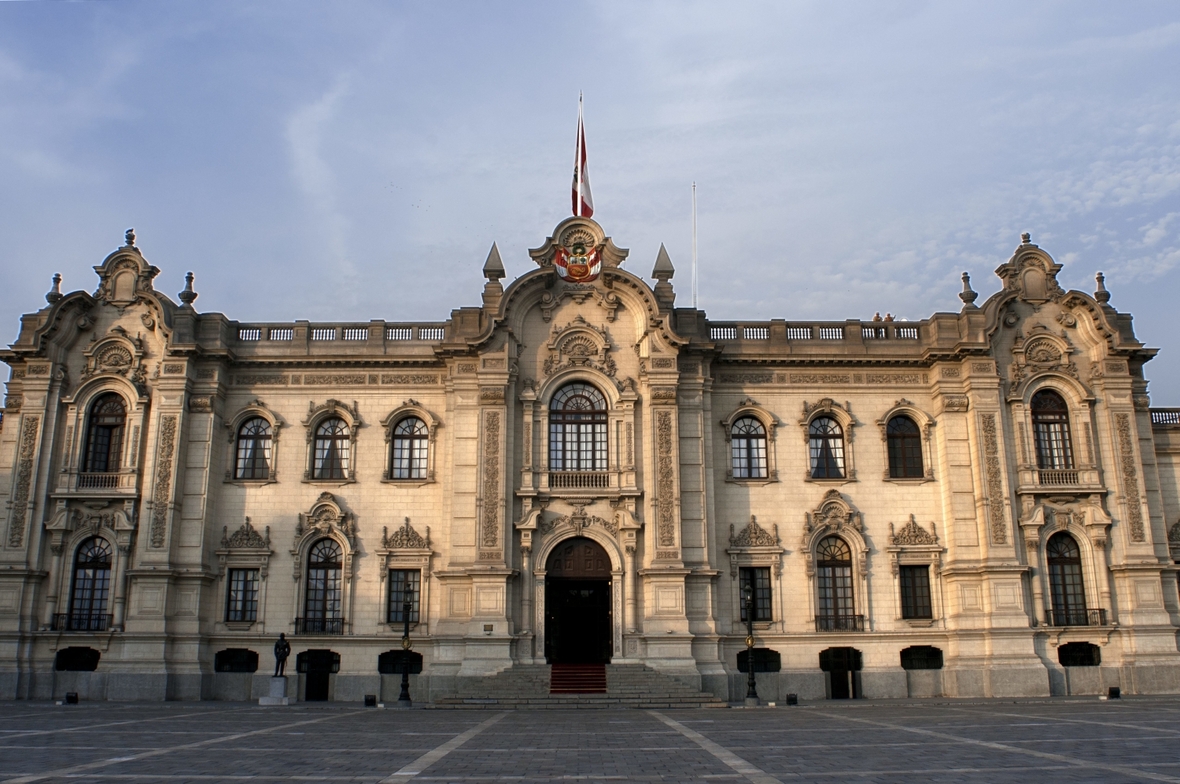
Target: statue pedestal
{"points": [[278, 692]]}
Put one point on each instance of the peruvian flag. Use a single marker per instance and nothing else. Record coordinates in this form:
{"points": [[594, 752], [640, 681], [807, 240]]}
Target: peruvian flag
{"points": [[583, 202]]}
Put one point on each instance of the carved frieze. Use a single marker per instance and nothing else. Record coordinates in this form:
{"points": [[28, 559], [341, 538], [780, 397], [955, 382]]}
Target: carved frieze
{"points": [[665, 481], [24, 480], [161, 498], [490, 524], [1130, 477], [995, 482]]}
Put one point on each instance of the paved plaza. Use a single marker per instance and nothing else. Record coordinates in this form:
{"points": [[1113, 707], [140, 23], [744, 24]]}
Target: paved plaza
{"points": [[1129, 740]]}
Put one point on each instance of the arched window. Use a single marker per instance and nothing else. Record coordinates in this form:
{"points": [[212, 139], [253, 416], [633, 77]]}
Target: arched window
{"points": [[323, 600], [748, 439], [92, 586], [1065, 581], [905, 448], [577, 429], [332, 450], [837, 610], [104, 435], [410, 438], [1050, 418], [827, 448], [253, 452]]}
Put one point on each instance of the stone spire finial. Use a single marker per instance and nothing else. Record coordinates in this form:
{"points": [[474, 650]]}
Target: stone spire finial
{"points": [[55, 292], [1101, 294], [129, 238], [663, 269], [493, 268], [1025, 238], [188, 296], [967, 295]]}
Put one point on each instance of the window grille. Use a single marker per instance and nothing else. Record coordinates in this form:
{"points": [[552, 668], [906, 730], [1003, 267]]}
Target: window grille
{"points": [[904, 440], [833, 560], [322, 603], [241, 601], [915, 592], [92, 585], [282, 333], [756, 579], [826, 440], [907, 333], [250, 333], [756, 333], [332, 450], [399, 333], [798, 333], [253, 450], [410, 443], [401, 581], [1068, 592], [323, 333], [577, 429], [104, 439], [1050, 418], [831, 333], [748, 449], [431, 333], [355, 333]]}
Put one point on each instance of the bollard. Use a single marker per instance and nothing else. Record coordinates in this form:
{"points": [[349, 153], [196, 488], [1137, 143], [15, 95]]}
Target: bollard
{"points": [[792, 699], [1114, 693], [71, 698], [370, 700]]}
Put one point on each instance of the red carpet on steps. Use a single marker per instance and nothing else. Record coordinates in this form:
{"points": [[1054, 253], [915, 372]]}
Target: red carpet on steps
{"points": [[578, 679]]}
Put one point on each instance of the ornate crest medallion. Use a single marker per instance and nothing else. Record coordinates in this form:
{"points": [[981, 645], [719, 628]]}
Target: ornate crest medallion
{"points": [[578, 264]]}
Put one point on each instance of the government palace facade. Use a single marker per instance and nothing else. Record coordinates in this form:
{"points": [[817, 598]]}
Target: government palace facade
{"points": [[978, 504]]}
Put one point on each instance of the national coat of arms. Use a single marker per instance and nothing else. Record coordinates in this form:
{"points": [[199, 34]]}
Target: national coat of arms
{"points": [[578, 264]]}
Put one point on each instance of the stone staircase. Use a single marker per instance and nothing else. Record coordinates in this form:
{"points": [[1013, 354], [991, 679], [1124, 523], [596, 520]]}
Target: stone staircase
{"points": [[527, 686]]}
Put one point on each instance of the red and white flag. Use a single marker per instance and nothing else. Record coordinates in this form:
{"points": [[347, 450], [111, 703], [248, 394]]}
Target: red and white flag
{"points": [[583, 202]]}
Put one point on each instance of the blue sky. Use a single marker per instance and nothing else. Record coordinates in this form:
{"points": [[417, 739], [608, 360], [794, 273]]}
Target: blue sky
{"points": [[351, 160]]}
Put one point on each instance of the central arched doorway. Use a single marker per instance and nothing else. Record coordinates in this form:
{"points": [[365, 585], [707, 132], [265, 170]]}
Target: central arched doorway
{"points": [[578, 603]]}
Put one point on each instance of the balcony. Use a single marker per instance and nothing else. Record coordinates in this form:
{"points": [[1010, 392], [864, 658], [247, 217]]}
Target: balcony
{"points": [[1076, 617], [579, 480], [98, 481], [319, 626], [839, 623], [1031, 479], [81, 622], [1057, 477]]}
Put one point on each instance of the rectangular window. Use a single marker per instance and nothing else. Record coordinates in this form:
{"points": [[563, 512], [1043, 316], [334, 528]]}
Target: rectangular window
{"points": [[401, 581], [915, 592], [758, 579], [241, 603]]}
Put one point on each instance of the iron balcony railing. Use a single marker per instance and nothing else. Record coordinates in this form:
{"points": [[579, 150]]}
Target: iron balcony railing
{"points": [[81, 622], [1077, 617], [319, 626], [107, 480], [1057, 477], [576, 480], [839, 623]]}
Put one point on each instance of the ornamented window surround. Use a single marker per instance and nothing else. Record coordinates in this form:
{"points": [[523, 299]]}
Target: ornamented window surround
{"points": [[843, 416], [1089, 525], [77, 424], [245, 548], [316, 415], [411, 408], [926, 424], [254, 409], [326, 518], [1079, 402], [70, 527], [752, 546], [913, 545], [750, 408], [405, 548], [835, 516]]}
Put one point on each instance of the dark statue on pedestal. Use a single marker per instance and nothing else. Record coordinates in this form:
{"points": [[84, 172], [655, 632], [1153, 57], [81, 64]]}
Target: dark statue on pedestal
{"points": [[282, 651]]}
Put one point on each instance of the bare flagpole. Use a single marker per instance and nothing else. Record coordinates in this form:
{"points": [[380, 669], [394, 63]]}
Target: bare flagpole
{"points": [[694, 245]]}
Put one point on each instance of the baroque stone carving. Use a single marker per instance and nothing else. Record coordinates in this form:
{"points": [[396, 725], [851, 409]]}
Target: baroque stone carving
{"points": [[746, 378], [405, 538], [325, 516], [261, 380], [665, 481], [912, 534], [995, 484], [163, 492], [24, 481], [172, 368], [895, 378], [490, 536], [334, 379], [821, 378], [415, 378], [956, 403], [245, 538], [578, 520], [12, 403], [579, 344], [753, 535], [1130, 477], [833, 513]]}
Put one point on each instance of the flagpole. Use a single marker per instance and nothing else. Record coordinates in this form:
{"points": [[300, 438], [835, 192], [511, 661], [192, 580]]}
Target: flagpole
{"points": [[578, 158], [694, 245]]}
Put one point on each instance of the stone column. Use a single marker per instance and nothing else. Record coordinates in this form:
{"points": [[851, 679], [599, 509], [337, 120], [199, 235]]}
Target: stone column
{"points": [[1036, 570], [120, 581], [57, 548], [629, 588], [526, 589]]}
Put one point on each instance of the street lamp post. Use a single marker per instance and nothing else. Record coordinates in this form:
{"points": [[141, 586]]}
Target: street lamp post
{"points": [[403, 699], [751, 689]]}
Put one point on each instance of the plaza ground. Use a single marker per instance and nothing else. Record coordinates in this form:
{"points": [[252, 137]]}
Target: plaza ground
{"points": [[1063, 740]]}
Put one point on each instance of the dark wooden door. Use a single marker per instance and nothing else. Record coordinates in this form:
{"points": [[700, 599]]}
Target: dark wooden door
{"points": [[316, 686], [577, 621]]}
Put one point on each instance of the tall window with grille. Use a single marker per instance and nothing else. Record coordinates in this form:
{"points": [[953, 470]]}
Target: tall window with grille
{"points": [[1050, 419], [323, 601], [241, 601], [915, 592], [253, 453], [410, 442], [756, 580], [826, 439], [1066, 587], [833, 571], [92, 586], [402, 581], [577, 429], [905, 448], [104, 434], [333, 447], [748, 448]]}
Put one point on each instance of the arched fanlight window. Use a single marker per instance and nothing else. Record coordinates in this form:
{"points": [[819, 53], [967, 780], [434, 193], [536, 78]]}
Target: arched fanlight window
{"points": [[410, 440], [104, 434], [322, 602], [905, 448], [826, 439], [332, 450], [1065, 580], [252, 458], [92, 586], [577, 429], [837, 609], [1050, 418], [748, 448]]}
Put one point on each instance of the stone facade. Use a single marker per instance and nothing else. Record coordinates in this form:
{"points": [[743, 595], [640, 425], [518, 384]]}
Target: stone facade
{"points": [[686, 505]]}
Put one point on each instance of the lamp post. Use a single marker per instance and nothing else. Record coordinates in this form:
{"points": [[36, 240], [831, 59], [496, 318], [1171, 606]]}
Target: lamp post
{"points": [[403, 699], [751, 689]]}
